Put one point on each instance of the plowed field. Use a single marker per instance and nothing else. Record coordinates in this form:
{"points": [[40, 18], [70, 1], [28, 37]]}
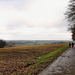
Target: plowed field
{"points": [[17, 60]]}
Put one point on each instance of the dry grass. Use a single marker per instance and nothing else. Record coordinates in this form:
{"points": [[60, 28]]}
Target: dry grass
{"points": [[16, 60]]}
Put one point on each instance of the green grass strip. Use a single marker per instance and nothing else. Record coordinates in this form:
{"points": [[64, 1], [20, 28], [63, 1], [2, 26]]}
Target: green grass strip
{"points": [[51, 55]]}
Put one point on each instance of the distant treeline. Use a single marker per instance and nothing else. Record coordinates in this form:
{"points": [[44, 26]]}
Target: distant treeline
{"points": [[33, 42]]}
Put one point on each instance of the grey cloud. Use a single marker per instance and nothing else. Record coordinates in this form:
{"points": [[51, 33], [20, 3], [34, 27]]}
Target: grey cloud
{"points": [[18, 4], [21, 28], [16, 25]]}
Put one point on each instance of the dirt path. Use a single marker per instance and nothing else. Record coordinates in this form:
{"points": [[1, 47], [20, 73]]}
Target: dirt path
{"points": [[64, 65]]}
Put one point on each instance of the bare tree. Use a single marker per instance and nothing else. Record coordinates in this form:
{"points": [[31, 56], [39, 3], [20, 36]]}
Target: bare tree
{"points": [[70, 15]]}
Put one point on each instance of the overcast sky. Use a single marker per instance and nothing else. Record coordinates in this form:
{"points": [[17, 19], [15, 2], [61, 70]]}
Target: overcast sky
{"points": [[33, 20]]}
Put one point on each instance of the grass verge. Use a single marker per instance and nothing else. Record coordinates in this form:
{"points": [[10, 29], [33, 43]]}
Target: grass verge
{"points": [[44, 61]]}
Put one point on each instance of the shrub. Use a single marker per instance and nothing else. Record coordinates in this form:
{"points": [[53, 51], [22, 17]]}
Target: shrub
{"points": [[2, 43]]}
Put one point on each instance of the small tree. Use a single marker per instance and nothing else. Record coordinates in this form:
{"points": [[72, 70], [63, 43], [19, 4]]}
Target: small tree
{"points": [[2, 43]]}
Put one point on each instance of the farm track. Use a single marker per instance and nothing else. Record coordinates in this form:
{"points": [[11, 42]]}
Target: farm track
{"points": [[63, 65]]}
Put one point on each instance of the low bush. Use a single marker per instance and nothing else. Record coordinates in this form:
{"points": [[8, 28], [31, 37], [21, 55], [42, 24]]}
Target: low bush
{"points": [[2, 43]]}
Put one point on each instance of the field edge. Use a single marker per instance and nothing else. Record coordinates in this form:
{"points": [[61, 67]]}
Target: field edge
{"points": [[44, 61]]}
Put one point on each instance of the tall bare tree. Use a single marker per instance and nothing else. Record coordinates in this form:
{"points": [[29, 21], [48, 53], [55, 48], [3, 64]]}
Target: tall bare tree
{"points": [[70, 15]]}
